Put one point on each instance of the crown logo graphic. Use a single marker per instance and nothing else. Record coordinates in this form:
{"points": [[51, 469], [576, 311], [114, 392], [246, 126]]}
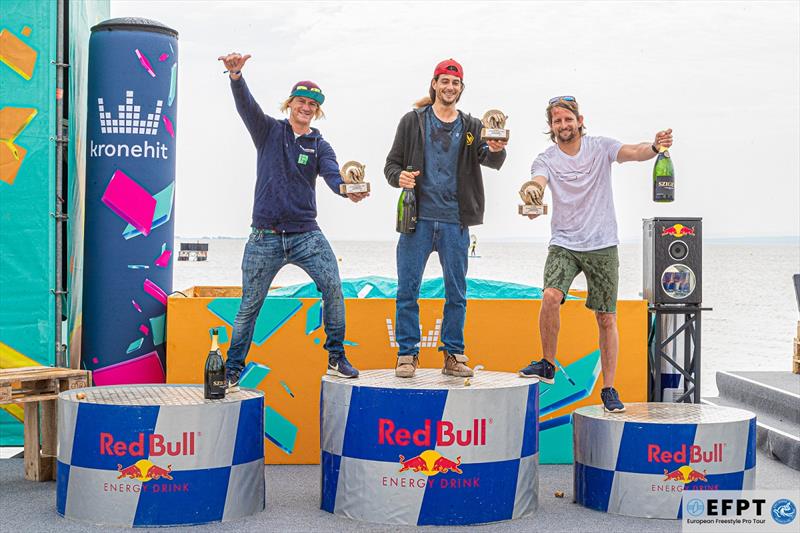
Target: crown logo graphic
{"points": [[129, 118]]}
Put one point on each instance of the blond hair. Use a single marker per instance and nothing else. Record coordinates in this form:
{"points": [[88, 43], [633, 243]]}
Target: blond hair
{"points": [[318, 113]]}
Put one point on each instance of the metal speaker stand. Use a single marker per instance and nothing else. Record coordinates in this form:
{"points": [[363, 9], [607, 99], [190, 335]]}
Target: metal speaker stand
{"points": [[690, 366]]}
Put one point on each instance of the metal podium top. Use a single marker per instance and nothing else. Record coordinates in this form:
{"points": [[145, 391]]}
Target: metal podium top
{"points": [[430, 378], [152, 395], [668, 413]]}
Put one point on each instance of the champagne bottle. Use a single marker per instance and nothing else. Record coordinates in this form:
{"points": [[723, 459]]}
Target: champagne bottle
{"points": [[214, 383], [407, 209], [663, 177]]}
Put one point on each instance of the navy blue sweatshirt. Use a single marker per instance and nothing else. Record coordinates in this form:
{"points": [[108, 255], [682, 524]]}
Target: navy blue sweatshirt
{"points": [[287, 168]]}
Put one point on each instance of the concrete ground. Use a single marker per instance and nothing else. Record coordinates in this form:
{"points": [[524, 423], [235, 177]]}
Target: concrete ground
{"points": [[293, 505]]}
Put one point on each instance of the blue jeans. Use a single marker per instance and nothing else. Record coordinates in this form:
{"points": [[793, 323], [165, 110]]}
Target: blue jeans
{"points": [[451, 241], [264, 255]]}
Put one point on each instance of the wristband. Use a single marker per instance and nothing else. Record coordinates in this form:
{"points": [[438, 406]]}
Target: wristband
{"points": [[653, 148]]}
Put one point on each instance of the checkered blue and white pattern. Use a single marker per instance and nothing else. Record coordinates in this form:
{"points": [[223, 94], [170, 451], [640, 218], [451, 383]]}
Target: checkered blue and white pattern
{"points": [[361, 476], [213, 452], [615, 473]]}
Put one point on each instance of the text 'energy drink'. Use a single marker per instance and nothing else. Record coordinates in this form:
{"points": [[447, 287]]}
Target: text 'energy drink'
{"points": [[407, 209], [214, 382]]}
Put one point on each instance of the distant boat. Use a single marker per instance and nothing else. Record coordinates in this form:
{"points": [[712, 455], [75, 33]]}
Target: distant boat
{"points": [[193, 251]]}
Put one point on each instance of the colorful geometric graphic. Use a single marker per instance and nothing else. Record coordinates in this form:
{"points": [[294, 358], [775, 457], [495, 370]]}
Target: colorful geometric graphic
{"points": [[144, 369], [145, 63], [252, 375], [279, 430], [273, 315], [13, 120], [161, 213], [130, 201], [157, 325], [314, 317], [155, 291], [20, 57]]}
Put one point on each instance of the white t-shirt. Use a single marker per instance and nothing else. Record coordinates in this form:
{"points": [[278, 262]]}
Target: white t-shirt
{"points": [[583, 216]]}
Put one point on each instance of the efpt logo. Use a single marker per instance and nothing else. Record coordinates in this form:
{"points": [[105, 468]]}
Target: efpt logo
{"points": [[784, 511]]}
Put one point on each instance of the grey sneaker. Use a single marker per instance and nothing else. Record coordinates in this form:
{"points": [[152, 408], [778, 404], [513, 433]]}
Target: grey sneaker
{"points": [[543, 369], [339, 366], [232, 382], [611, 401], [406, 366], [455, 365]]}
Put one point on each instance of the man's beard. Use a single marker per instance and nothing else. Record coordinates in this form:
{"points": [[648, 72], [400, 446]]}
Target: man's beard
{"points": [[570, 138], [444, 102]]}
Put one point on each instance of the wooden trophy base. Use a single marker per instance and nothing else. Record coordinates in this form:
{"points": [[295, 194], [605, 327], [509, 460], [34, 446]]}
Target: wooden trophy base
{"points": [[351, 188], [530, 209], [495, 134]]}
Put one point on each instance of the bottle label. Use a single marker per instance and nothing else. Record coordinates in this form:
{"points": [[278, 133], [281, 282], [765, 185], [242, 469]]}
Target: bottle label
{"points": [[664, 188]]}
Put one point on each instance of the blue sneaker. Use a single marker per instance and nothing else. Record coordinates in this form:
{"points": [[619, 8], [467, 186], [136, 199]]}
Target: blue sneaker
{"points": [[544, 370], [232, 382], [611, 401], [339, 366]]}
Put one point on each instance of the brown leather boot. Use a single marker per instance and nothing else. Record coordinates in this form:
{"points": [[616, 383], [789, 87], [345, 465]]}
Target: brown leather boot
{"points": [[406, 366], [454, 365]]}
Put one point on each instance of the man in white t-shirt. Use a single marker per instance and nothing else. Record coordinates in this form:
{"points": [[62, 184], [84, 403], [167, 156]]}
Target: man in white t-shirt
{"points": [[584, 232]]}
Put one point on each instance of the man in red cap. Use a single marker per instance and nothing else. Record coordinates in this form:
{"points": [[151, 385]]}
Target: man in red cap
{"points": [[291, 154], [443, 147]]}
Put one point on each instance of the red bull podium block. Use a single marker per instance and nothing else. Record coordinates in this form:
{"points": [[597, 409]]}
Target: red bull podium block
{"points": [[159, 455], [430, 450], [640, 462]]}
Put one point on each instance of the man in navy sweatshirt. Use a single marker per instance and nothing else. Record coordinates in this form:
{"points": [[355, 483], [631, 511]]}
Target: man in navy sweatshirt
{"points": [[291, 154]]}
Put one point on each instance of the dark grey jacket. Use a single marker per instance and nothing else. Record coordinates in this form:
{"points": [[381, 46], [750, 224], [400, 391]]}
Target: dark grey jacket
{"points": [[408, 149]]}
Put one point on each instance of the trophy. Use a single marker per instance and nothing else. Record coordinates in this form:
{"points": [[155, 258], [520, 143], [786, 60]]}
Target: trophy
{"points": [[532, 194], [494, 123], [353, 175]]}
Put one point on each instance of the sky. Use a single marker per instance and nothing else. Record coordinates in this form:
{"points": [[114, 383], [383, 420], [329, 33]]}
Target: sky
{"points": [[725, 76]]}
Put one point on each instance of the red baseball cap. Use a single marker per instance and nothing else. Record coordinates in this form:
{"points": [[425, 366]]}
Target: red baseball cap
{"points": [[449, 66]]}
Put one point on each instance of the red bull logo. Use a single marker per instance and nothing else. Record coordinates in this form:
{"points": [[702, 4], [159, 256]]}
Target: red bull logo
{"points": [[685, 474], [685, 454], [443, 433], [158, 445], [677, 230], [144, 470], [430, 463]]}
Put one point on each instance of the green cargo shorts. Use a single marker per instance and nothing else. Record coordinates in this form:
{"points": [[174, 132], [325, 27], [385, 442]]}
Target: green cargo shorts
{"points": [[601, 268]]}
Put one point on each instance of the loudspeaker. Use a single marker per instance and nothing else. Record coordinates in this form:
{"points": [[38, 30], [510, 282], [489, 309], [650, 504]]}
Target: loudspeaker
{"points": [[673, 260]]}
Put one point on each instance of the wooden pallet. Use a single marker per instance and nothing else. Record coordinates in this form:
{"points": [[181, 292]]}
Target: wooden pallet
{"points": [[796, 356], [37, 387]]}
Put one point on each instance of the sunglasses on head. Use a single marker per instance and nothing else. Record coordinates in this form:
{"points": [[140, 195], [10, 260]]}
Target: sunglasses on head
{"points": [[304, 88], [565, 98]]}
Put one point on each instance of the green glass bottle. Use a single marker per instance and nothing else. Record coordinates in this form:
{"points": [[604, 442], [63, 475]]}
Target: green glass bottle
{"points": [[407, 209], [663, 177]]}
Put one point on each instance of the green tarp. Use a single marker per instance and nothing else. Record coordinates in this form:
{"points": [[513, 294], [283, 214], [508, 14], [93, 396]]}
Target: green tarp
{"points": [[380, 287]]}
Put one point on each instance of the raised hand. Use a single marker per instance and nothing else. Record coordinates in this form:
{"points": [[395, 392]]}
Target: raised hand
{"points": [[664, 138], [234, 63]]}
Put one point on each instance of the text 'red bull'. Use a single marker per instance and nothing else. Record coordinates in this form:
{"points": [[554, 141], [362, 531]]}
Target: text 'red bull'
{"points": [[686, 454], [158, 445], [446, 434]]}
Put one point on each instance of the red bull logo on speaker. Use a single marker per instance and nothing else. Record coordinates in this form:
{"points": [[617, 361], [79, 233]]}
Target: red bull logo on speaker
{"points": [[677, 230], [442, 433], [158, 445]]}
